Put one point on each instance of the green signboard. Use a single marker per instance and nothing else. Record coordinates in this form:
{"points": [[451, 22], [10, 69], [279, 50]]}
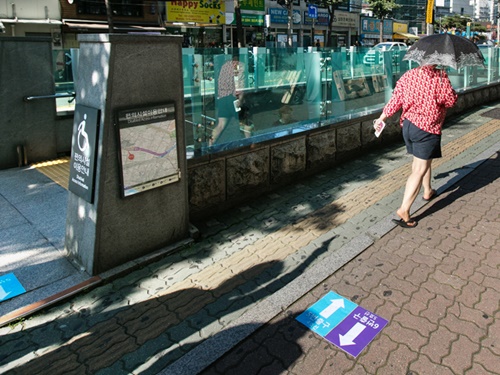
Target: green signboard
{"points": [[248, 19], [258, 5]]}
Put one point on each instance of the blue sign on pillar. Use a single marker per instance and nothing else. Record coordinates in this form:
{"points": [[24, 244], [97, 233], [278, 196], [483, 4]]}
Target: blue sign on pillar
{"points": [[10, 287]]}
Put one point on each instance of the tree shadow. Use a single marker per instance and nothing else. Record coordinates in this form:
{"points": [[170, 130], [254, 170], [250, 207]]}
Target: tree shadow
{"points": [[120, 340]]}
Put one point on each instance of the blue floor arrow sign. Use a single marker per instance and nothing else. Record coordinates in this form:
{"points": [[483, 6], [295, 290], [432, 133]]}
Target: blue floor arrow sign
{"points": [[356, 331], [342, 322], [10, 287], [326, 313]]}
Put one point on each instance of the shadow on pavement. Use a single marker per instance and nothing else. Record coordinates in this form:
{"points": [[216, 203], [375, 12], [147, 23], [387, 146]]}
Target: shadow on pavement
{"points": [[477, 180], [124, 338]]}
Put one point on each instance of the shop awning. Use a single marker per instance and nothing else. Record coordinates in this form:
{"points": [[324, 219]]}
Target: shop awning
{"points": [[405, 36], [94, 26]]}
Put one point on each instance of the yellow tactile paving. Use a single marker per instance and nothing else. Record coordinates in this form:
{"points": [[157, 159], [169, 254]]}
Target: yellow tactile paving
{"points": [[284, 240], [57, 170], [287, 240]]}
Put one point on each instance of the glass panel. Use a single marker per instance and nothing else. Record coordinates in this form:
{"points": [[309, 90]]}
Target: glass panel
{"points": [[238, 97], [64, 79]]}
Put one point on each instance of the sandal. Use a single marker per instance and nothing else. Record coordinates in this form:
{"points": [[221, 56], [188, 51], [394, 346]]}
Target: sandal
{"points": [[405, 224]]}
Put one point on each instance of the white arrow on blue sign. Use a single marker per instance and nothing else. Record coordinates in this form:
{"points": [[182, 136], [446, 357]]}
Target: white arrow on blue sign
{"points": [[10, 287], [356, 331], [342, 322], [312, 11], [327, 313]]}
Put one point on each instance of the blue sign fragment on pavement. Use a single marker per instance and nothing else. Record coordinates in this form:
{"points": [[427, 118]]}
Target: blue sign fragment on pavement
{"points": [[325, 314], [356, 331], [10, 287]]}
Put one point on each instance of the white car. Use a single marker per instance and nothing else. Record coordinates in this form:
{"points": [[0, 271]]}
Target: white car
{"points": [[377, 52]]}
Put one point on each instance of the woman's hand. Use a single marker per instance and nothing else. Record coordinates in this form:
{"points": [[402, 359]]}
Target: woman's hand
{"points": [[378, 124]]}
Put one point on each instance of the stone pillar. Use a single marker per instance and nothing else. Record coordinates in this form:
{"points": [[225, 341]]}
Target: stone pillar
{"points": [[117, 73]]}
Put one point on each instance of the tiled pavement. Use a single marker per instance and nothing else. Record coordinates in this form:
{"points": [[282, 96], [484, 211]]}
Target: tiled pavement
{"points": [[257, 267], [438, 285]]}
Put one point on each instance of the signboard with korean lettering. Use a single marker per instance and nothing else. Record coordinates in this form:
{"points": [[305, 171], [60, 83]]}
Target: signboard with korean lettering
{"points": [[254, 5], [84, 152], [320, 20], [249, 19], [372, 25], [342, 322]]}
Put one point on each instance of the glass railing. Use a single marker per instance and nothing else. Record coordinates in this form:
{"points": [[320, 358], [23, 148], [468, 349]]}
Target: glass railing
{"points": [[64, 65], [238, 97]]}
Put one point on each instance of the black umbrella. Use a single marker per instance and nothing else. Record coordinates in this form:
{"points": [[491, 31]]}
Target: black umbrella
{"points": [[445, 49]]}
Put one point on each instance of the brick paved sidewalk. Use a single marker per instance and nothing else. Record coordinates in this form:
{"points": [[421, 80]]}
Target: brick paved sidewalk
{"points": [[250, 265], [438, 285]]}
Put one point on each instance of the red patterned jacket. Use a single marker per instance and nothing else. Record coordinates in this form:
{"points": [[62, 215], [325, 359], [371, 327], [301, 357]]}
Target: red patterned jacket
{"points": [[424, 94]]}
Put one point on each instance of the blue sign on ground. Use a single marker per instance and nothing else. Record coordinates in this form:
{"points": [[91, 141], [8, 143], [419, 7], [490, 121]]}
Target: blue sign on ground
{"points": [[356, 331], [343, 323], [10, 287], [325, 314]]}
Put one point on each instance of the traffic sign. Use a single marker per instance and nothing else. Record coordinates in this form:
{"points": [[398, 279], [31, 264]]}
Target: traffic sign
{"points": [[356, 331], [325, 314], [10, 287], [312, 11]]}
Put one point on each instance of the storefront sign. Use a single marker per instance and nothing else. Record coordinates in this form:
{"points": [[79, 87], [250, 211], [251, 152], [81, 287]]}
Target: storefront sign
{"points": [[248, 19], [322, 19], [258, 5], [84, 152], [202, 11], [340, 19], [400, 27], [371, 26], [279, 15], [345, 19]]}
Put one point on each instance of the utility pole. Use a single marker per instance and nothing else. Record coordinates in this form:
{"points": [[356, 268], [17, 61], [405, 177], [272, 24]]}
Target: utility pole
{"points": [[498, 21], [290, 23], [288, 5]]}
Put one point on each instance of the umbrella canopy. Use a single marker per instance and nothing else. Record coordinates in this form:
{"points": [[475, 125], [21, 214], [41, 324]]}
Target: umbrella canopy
{"points": [[445, 49]]}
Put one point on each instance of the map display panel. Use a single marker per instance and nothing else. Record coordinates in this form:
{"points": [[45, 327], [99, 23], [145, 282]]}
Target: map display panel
{"points": [[148, 154]]}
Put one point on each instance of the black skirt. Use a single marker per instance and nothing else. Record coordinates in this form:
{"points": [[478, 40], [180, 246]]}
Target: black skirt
{"points": [[421, 144]]}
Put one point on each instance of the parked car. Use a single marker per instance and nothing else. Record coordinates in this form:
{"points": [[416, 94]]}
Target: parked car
{"points": [[375, 55]]}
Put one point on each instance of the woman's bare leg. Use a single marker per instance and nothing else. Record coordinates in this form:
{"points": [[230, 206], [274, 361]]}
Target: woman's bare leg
{"points": [[420, 170]]}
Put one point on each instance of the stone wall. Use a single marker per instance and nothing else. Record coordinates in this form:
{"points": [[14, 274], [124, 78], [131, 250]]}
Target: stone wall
{"points": [[26, 126], [221, 181]]}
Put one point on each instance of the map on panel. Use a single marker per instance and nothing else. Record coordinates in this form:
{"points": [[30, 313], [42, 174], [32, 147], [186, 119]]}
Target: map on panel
{"points": [[148, 148]]}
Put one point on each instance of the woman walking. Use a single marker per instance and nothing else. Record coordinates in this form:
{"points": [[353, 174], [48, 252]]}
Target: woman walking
{"points": [[423, 94]]}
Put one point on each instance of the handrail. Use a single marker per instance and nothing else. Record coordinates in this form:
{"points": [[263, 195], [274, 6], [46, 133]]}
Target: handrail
{"points": [[54, 96]]}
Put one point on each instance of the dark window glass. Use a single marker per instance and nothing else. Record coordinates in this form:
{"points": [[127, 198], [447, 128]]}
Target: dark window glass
{"points": [[122, 8]]}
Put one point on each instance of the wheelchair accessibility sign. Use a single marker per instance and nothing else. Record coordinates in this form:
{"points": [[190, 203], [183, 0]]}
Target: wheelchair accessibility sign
{"points": [[10, 287], [342, 322]]}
